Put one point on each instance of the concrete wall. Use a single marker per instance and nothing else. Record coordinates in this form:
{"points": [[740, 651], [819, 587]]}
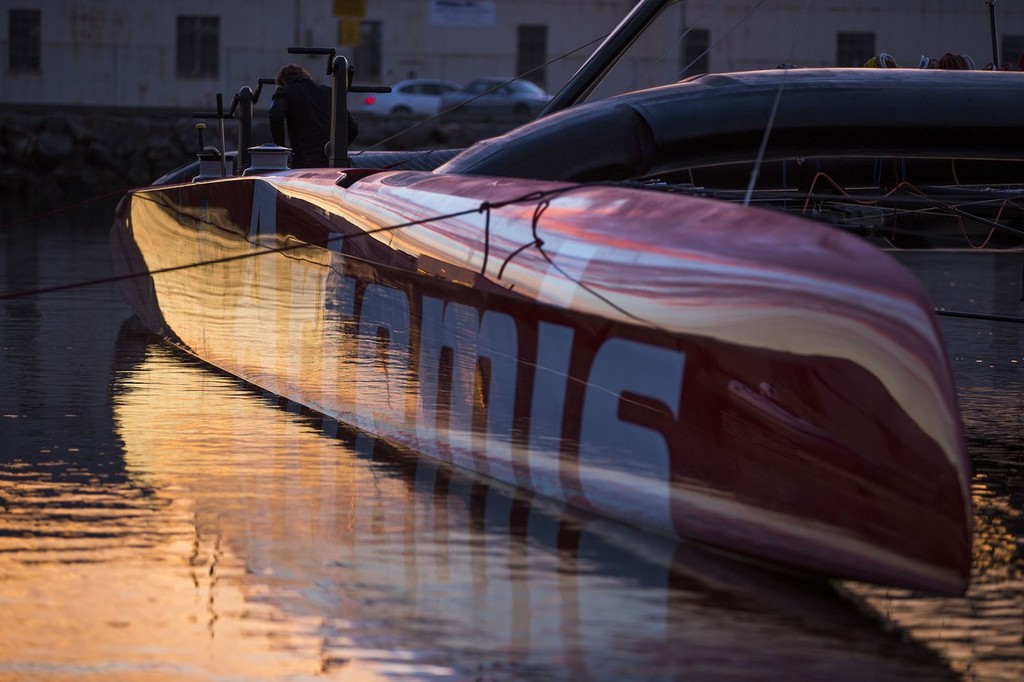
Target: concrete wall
{"points": [[122, 52], [461, 53], [804, 33]]}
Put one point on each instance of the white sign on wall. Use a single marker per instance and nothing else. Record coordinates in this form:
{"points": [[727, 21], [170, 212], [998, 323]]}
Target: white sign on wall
{"points": [[462, 13]]}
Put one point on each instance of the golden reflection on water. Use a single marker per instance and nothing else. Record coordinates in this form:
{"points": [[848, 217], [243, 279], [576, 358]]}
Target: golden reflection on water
{"points": [[111, 580], [132, 591], [290, 512], [982, 633], [244, 544]]}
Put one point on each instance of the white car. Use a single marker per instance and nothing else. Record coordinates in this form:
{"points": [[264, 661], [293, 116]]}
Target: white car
{"points": [[418, 97]]}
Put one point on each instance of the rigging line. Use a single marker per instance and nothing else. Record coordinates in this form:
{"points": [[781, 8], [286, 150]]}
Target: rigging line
{"points": [[661, 57], [821, 175], [868, 226], [907, 188], [934, 205], [419, 155], [539, 244], [756, 170], [537, 241], [599, 296], [991, 230], [910, 189], [537, 195], [990, 317], [133, 275], [724, 36], [775, 105], [214, 261], [62, 209], [446, 111]]}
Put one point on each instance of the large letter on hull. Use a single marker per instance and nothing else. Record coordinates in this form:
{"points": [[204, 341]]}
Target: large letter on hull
{"points": [[554, 348], [625, 467], [383, 372], [499, 347], [472, 341], [451, 326]]}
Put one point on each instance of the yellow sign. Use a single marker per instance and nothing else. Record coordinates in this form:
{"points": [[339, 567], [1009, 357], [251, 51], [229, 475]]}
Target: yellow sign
{"points": [[349, 8], [349, 31]]}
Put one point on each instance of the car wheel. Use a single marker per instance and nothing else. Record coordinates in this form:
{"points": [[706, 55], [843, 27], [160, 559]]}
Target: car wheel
{"points": [[401, 112]]}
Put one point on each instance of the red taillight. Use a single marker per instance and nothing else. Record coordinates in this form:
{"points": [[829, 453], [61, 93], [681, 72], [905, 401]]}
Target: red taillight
{"points": [[370, 99]]}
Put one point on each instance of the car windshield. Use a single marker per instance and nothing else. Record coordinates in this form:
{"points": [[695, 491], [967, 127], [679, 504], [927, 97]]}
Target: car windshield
{"points": [[497, 85], [477, 87], [525, 87], [426, 89]]}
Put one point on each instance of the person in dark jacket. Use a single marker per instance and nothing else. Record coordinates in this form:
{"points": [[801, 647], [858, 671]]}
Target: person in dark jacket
{"points": [[302, 108]]}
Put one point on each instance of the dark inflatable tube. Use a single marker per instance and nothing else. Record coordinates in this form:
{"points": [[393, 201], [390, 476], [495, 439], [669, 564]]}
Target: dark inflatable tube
{"points": [[722, 118]]}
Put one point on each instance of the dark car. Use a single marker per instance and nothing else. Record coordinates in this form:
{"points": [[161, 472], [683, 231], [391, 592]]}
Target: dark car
{"points": [[496, 99]]}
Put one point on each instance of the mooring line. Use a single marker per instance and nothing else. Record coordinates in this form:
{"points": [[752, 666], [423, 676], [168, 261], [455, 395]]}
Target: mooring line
{"points": [[990, 317], [530, 196], [58, 211]]}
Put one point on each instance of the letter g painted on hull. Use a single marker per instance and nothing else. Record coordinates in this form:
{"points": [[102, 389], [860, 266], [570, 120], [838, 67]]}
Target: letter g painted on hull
{"points": [[624, 466]]}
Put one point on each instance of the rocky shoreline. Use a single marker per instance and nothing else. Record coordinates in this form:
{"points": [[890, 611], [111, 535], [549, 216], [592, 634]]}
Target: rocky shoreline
{"points": [[50, 156], [53, 157]]}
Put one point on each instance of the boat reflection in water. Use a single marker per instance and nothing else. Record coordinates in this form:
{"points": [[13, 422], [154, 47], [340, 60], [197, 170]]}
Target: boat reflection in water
{"points": [[356, 558]]}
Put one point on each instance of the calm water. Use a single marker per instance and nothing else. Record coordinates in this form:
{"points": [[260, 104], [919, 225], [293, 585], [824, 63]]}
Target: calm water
{"points": [[160, 520]]}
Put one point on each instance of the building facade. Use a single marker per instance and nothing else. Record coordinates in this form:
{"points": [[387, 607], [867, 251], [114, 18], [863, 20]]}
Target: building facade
{"points": [[182, 53]]}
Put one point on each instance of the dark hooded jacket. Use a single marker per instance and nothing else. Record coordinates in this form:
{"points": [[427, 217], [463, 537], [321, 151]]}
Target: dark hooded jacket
{"points": [[303, 108]]}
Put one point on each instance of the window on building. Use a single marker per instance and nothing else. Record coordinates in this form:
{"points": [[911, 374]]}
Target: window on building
{"points": [[695, 51], [854, 49], [198, 47], [532, 53], [366, 58], [1012, 50], [24, 52]]}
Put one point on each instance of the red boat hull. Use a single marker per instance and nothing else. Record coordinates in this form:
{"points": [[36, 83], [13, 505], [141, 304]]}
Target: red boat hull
{"points": [[713, 372]]}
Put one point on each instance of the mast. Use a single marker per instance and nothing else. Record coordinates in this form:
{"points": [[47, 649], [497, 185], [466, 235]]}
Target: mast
{"points": [[995, 40], [607, 55]]}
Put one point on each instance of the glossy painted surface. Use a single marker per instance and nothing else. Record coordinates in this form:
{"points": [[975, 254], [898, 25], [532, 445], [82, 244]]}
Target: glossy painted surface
{"points": [[704, 370]]}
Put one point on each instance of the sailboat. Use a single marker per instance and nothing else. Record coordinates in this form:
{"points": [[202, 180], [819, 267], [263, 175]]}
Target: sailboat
{"points": [[599, 307]]}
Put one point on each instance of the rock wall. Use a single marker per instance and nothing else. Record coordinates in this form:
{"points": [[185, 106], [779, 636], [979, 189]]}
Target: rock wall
{"points": [[54, 157]]}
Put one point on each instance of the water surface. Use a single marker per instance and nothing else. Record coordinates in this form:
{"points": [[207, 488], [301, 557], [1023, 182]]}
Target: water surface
{"points": [[159, 519]]}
